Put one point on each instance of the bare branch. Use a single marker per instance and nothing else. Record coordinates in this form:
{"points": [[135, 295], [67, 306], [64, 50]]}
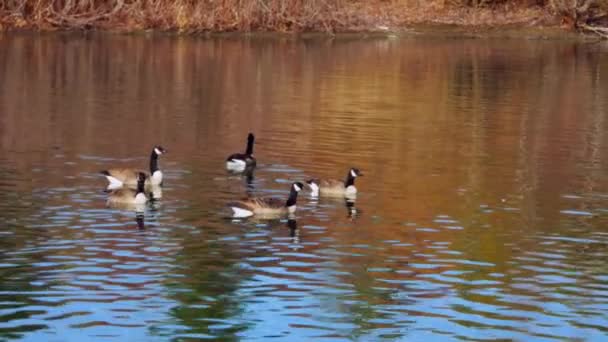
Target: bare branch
{"points": [[600, 31]]}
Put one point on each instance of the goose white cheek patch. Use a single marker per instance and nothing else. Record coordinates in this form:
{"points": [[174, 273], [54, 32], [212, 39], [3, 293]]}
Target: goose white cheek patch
{"points": [[157, 151], [352, 173], [295, 186]]}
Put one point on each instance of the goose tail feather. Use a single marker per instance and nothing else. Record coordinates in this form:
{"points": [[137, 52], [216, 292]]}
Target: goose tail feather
{"points": [[240, 212], [114, 183]]}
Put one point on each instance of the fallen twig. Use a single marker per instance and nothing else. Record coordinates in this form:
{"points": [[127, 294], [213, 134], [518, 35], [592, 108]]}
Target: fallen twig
{"points": [[600, 31]]}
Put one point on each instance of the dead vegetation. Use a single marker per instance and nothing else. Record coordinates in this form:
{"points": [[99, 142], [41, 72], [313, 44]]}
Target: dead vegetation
{"points": [[186, 15], [193, 16], [586, 15]]}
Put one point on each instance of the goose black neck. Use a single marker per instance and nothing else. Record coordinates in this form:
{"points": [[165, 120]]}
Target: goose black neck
{"points": [[350, 180], [293, 197], [153, 162], [249, 146], [140, 186]]}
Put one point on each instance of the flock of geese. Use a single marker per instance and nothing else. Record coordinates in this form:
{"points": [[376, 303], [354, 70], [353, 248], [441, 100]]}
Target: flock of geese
{"points": [[134, 187]]}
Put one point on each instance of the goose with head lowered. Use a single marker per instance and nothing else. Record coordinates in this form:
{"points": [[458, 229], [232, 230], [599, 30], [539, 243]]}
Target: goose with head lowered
{"points": [[267, 207], [238, 162], [120, 177], [335, 187], [129, 197]]}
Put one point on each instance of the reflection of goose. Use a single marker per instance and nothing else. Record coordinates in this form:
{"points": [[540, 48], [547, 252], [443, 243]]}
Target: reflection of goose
{"points": [[294, 233], [267, 207], [129, 198], [128, 177], [351, 210], [334, 187], [155, 192], [249, 178], [139, 219], [238, 162]]}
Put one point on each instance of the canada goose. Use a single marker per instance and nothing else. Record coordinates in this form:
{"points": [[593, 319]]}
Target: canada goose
{"points": [[121, 177], [238, 162], [127, 196], [335, 188], [267, 207]]}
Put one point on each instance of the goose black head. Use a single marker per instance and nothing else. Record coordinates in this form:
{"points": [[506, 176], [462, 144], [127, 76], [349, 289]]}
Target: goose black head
{"points": [[354, 172], [158, 150], [297, 186]]}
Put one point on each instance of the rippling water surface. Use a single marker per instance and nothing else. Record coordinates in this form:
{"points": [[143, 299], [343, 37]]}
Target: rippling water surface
{"points": [[483, 212]]}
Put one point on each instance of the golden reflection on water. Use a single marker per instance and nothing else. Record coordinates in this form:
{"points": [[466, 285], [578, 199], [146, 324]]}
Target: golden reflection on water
{"points": [[467, 145]]}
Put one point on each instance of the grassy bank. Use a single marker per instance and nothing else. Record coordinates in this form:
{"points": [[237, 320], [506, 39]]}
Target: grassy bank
{"points": [[191, 16]]}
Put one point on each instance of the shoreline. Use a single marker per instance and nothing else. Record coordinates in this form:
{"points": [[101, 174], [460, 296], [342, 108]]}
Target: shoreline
{"points": [[432, 30], [373, 18]]}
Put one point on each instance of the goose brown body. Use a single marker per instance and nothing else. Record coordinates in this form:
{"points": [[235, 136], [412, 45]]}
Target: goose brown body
{"points": [[122, 196], [331, 187], [127, 196], [334, 187], [127, 176], [267, 207]]}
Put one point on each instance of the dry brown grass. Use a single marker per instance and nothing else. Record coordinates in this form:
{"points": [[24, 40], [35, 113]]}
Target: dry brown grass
{"points": [[186, 15], [270, 15]]}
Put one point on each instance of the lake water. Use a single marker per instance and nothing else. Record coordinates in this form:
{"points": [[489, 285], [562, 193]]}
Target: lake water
{"points": [[483, 212]]}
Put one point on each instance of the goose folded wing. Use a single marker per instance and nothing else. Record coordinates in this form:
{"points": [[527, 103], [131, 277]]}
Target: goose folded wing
{"points": [[264, 202], [331, 183], [124, 174]]}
